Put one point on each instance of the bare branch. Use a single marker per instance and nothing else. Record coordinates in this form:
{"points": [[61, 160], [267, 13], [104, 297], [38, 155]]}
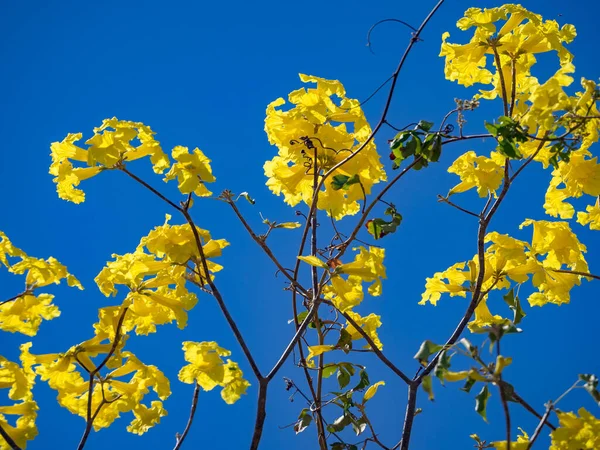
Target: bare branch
{"points": [[540, 425], [181, 438], [13, 445]]}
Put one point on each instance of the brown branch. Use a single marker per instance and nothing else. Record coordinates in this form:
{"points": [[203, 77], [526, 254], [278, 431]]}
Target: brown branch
{"points": [[503, 399], [13, 445], [370, 425], [540, 425], [576, 272], [466, 138], [217, 295], [513, 93], [261, 413], [502, 82], [150, 188], [517, 398], [374, 347], [409, 416], [12, 299], [446, 200], [181, 438], [92, 374], [307, 320], [262, 244]]}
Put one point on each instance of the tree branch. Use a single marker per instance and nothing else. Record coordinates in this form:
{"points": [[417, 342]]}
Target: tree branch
{"points": [[181, 438], [540, 425], [13, 445]]}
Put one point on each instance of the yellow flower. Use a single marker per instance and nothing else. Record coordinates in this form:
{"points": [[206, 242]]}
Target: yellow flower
{"points": [[25, 313], [516, 35], [592, 216], [368, 265], [316, 134], [110, 145], [484, 318], [456, 276], [317, 350], [576, 432], [344, 294], [192, 171], [113, 396], [522, 443], [371, 391], [8, 249], [208, 369], [24, 429], [369, 324], [478, 171], [581, 175]]}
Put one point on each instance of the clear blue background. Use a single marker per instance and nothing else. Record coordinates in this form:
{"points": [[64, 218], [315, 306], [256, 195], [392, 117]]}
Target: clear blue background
{"points": [[201, 74]]}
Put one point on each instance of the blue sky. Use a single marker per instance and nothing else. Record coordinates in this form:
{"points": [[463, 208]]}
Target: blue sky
{"points": [[201, 74]]}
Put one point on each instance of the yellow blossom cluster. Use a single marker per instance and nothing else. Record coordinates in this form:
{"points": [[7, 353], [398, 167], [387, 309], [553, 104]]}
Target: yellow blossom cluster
{"points": [[116, 142], [19, 381], [554, 250], [207, 368], [322, 129], [576, 432], [121, 390], [157, 280], [24, 312], [346, 293], [508, 38]]}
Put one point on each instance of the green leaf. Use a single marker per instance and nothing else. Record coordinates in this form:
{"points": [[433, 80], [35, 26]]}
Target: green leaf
{"points": [[247, 197], [304, 420], [363, 380], [339, 424], [427, 349], [344, 343], [591, 385], [428, 387], [359, 425], [344, 182], [442, 366], [300, 317], [515, 304], [425, 125], [481, 402], [378, 228], [508, 133], [468, 384], [329, 370], [343, 377], [472, 349]]}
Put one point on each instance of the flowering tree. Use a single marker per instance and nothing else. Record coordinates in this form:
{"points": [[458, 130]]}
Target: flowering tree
{"points": [[328, 163]]}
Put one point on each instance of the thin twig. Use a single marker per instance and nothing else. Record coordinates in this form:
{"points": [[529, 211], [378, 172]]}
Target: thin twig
{"points": [[502, 82], [374, 347], [12, 299], [517, 398], [540, 425], [383, 21], [504, 401], [92, 374], [147, 186], [217, 295], [446, 200], [181, 438], [576, 272], [13, 445], [265, 247]]}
